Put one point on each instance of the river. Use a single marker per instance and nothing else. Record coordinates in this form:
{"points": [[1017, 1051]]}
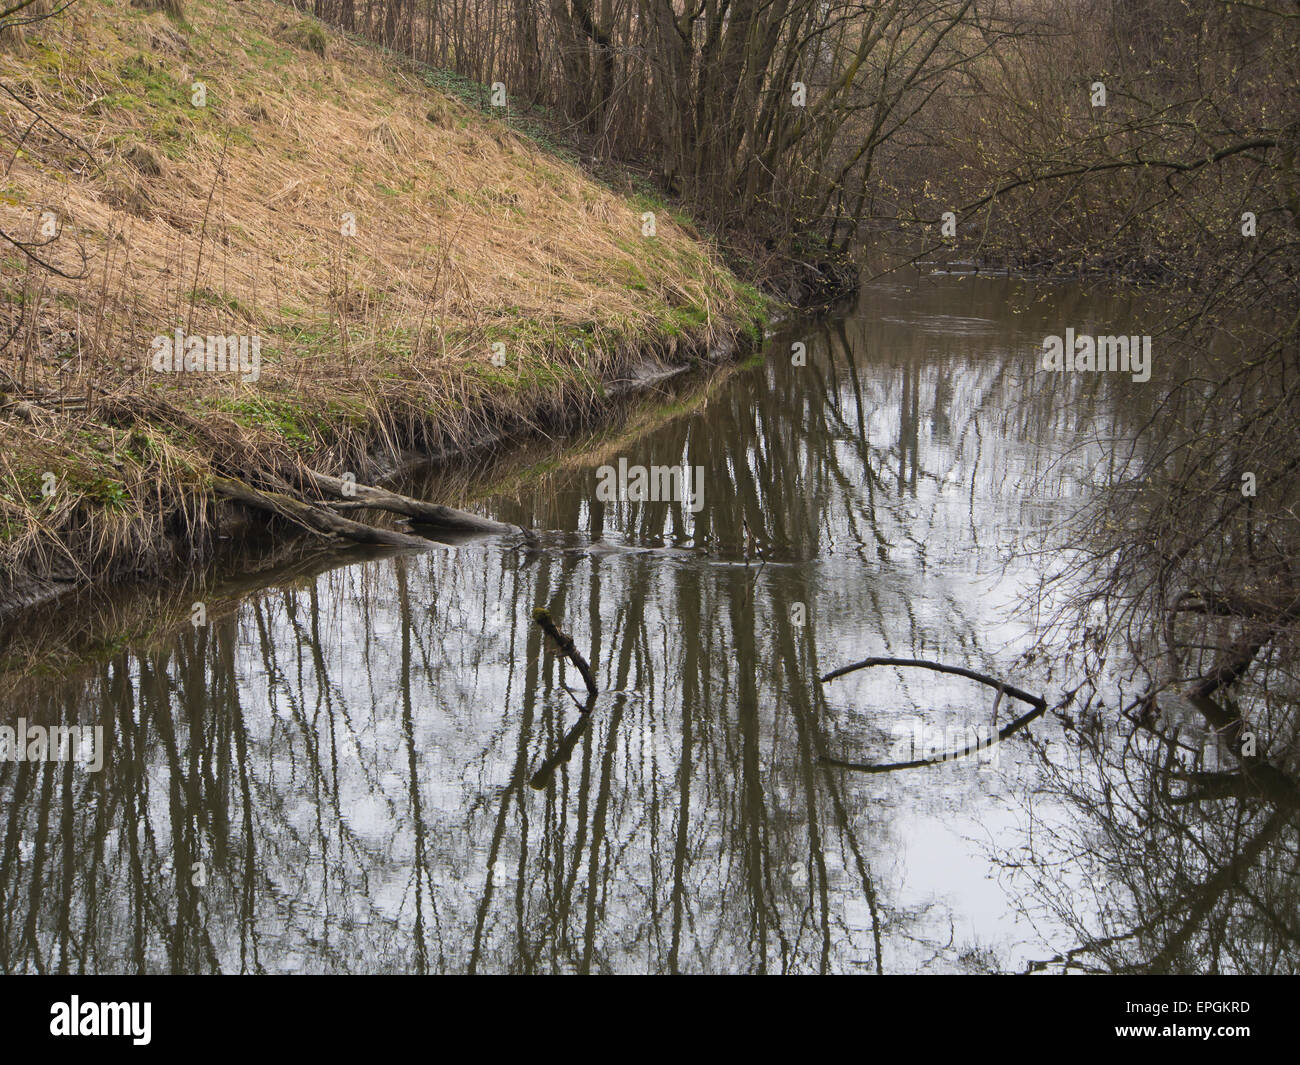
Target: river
{"points": [[332, 772]]}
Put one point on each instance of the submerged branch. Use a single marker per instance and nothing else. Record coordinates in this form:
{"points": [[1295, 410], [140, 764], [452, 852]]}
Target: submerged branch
{"points": [[1038, 703], [939, 667], [566, 645], [543, 618]]}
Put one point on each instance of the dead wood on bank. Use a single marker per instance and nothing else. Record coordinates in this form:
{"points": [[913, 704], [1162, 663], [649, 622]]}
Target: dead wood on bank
{"points": [[316, 519], [322, 518], [1257, 777], [361, 496]]}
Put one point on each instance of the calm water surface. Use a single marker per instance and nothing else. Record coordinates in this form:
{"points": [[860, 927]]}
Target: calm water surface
{"points": [[333, 774]]}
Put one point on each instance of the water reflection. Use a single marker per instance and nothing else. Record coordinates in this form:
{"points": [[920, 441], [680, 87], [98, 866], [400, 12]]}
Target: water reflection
{"points": [[332, 775]]}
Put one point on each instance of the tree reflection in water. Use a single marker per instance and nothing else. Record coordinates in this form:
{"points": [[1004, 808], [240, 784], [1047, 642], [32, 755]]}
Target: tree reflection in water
{"points": [[333, 774]]}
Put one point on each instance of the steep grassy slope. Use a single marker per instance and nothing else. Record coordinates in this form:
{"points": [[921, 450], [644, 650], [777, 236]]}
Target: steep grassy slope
{"points": [[419, 275]]}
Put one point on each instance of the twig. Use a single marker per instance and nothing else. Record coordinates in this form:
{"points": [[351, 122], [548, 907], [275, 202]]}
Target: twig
{"points": [[571, 652], [1038, 703]]}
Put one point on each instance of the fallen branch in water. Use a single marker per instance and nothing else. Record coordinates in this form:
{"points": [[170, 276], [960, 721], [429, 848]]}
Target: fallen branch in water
{"points": [[362, 495], [570, 650], [1259, 775], [547, 770], [939, 667], [1038, 703], [317, 519], [562, 753]]}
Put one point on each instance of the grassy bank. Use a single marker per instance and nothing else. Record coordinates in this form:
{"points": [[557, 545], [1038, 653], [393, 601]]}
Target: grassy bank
{"points": [[91, 625], [420, 276]]}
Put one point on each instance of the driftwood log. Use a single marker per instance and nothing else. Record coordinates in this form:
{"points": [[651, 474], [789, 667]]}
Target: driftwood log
{"points": [[361, 496], [317, 519]]}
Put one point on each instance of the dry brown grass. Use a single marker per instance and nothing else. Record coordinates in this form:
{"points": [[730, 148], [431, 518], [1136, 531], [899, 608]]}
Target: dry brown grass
{"points": [[175, 8], [227, 219], [14, 31]]}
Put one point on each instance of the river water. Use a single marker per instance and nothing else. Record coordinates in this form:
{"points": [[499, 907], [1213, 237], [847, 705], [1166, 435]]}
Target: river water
{"points": [[333, 773]]}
